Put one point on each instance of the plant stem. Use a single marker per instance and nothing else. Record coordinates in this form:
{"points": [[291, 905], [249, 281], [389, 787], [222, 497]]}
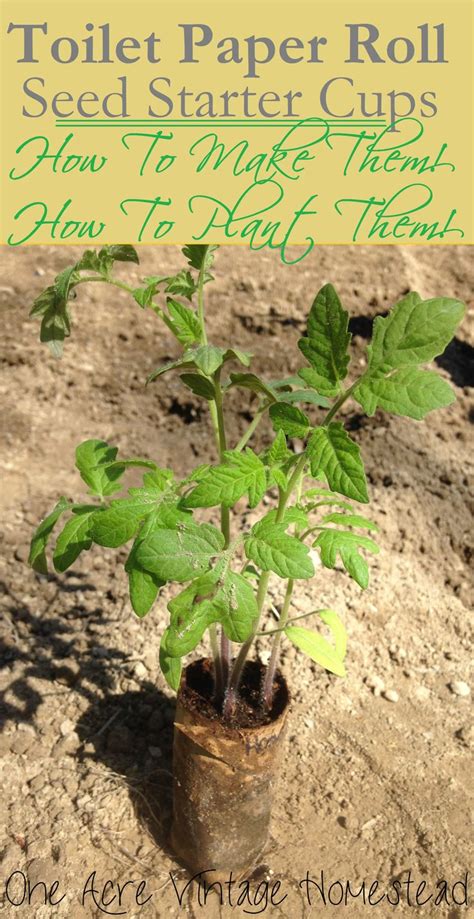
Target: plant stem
{"points": [[270, 674], [218, 675], [342, 398], [239, 663], [200, 293], [313, 612], [250, 430]]}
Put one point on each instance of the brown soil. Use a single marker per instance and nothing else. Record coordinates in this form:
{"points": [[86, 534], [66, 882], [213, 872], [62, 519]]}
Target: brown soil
{"points": [[370, 788], [197, 693]]}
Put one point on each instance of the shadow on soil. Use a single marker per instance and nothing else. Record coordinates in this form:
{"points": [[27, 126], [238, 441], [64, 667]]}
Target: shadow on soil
{"points": [[132, 734], [46, 643]]}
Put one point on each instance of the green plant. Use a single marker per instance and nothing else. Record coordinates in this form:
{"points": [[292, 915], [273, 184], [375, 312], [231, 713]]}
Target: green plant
{"points": [[227, 573]]}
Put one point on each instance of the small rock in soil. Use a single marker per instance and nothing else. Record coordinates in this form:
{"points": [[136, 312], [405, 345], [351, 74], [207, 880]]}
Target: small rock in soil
{"points": [[66, 727], [459, 688], [67, 745], [376, 684], [140, 671], [422, 693], [21, 743], [391, 695], [466, 735]]}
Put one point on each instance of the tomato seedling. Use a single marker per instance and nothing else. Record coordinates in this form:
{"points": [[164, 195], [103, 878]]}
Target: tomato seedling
{"points": [[223, 573]]}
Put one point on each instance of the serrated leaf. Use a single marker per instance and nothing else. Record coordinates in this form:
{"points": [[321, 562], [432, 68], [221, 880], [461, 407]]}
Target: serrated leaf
{"points": [[350, 520], [289, 419], [332, 543], [181, 552], [278, 452], [304, 395], [144, 295], [278, 477], [272, 549], [182, 284], [123, 253], [95, 460], [120, 522], [291, 515], [327, 342], [63, 282], [170, 666], [199, 385], [37, 556], [229, 600], [235, 354], [317, 648], [253, 382], [242, 473], [55, 327], [186, 361], [409, 391], [200, 257], [143, 585], [184, 323], [332, 452], [89, 261], [74, 539], [414, 332], [339, 634], [208, 358]]}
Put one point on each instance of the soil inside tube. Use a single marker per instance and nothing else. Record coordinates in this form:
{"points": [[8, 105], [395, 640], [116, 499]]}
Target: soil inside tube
{"points": [[197, 694]]}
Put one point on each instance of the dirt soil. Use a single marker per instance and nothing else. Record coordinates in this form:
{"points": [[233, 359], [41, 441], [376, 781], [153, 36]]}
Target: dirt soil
{"points": [[371, 785]]}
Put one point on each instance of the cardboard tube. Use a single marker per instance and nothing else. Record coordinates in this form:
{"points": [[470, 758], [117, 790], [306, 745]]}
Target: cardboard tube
{"points": [[223, 785]]}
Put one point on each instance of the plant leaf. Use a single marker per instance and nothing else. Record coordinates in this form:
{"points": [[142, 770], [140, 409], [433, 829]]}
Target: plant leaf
{"points": [[229, 600], [414, 332], [409, 391], [304, 395], [339, 634], [278, 452], [316, 647], [326, 345], [350, 520], [37, 556], [332, 452], [120, 521], [199, 385], [143, 585], [235, 354], [208, 358], [289, 419], [180, 552], [122, 253], [183, 323], [182, 284], [74, 539], [332, 543], [242, 473], [170, 666], [253, 382], [95, 460], [200, 257], [272, 549]]}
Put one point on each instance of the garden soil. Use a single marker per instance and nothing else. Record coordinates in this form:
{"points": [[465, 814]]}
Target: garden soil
{"points": [[375, 778]]}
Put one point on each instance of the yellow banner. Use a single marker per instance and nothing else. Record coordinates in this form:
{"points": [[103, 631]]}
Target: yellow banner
{"points": [[264, 124]]}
